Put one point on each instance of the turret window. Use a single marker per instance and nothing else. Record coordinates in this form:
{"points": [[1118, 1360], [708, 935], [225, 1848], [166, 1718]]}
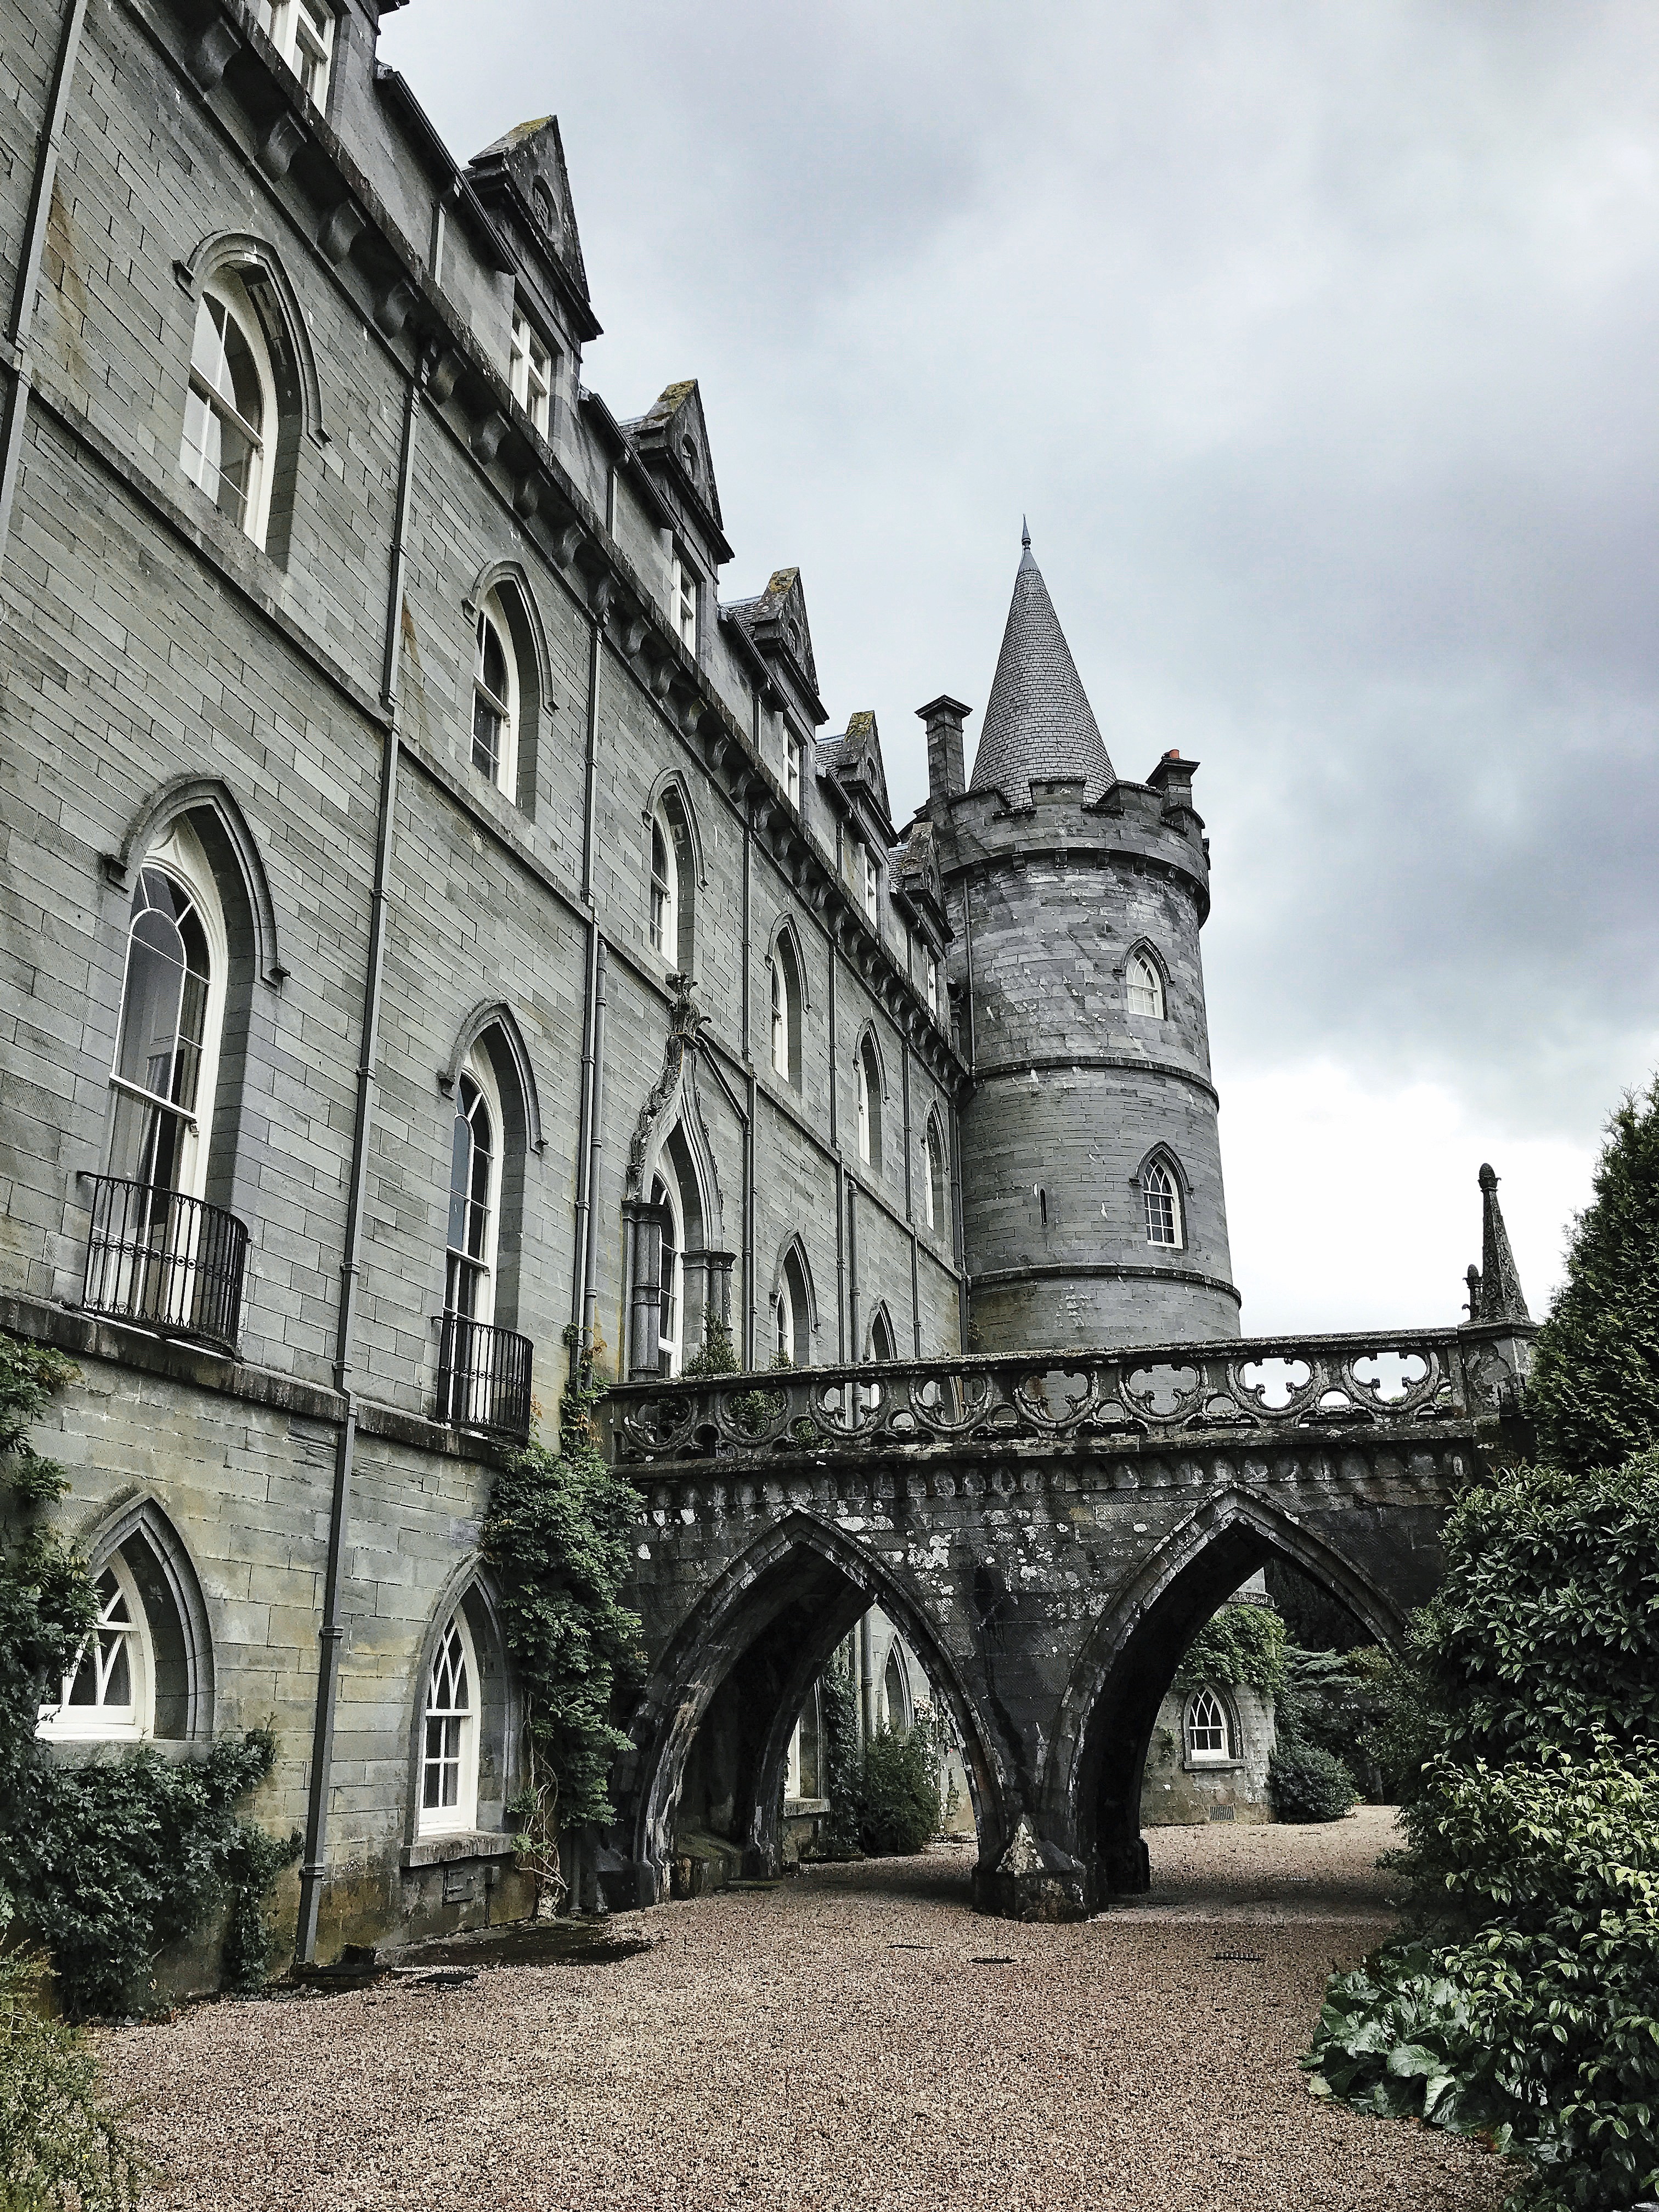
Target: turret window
{"points": [[1146, 987], [1162, 1195]]}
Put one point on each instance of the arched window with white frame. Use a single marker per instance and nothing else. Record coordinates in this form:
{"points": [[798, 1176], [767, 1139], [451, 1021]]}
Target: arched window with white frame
{"points": [[108, 1692], [1144, 985], [934, 1201], [793, 1311], [897, 1706], [449, 1747], [673, 882], [495, 697], [1209, 1733], [787, 997], [475, 1192], [866, 1075], [671, 1327], [1161, 1196], [231, 420]]}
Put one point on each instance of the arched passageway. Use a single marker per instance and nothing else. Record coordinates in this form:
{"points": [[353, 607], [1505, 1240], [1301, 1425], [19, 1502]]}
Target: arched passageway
{"points": [[711, 1736], [1095, 1780]]}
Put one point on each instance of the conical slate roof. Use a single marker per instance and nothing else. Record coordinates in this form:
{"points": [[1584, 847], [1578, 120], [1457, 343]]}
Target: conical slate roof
{"points": [[1039, 722]]}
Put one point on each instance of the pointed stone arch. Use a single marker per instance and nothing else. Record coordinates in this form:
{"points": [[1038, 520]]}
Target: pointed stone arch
{"points": [[258, 265], [211, 800], [1091, 1788], [790, 1599], [470, 1589], [881, 1332], [515, 577], [176, 1613], [1163, 1155], [793, 1262], [784, 928], [869, 1039], [495, 1015], [671, 782]]}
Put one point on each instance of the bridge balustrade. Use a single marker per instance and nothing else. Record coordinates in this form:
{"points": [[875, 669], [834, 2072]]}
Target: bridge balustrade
{"points": [[1426, 1382]]}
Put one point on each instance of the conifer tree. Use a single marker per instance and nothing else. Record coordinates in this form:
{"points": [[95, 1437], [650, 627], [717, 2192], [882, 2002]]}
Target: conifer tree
{"points": [[1595, 1387]]}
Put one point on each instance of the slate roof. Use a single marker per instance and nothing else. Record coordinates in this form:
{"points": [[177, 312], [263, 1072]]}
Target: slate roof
{"points": [[1039, 722], [854, 757]]}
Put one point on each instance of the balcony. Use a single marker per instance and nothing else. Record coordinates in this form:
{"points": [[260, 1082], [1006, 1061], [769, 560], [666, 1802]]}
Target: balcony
{"points": [[165, 1262], [484, 1377]]}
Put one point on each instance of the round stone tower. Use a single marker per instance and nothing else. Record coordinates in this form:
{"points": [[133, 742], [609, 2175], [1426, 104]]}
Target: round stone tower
{"points": [[1092, 1205]]}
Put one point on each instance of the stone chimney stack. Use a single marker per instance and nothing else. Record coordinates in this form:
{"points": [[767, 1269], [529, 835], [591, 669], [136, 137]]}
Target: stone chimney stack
{"points": [[947, 777]]}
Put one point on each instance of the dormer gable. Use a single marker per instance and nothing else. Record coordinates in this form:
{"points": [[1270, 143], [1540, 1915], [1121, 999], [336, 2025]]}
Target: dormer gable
{"points": [[524, 183], [775, 623], [855, 762], [672, 439], [916, 878]]}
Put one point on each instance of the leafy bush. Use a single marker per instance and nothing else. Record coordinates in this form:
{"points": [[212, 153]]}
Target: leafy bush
{"points": [[1540, 2029], [58, 2145], [104, 1863], [897, 1794], [559, 1534], [838, 1831], [1239, 1643], [1594, 1391], [1309, 1784], [1339, 1701]]}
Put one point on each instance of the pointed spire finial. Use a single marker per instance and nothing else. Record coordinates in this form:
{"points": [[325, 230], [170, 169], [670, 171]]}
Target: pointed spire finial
{"points": [[1025, 533], [1500, 1284]]}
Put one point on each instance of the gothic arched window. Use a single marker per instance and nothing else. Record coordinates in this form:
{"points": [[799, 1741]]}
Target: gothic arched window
{"points": [[172, 1007], [495, 697], [793, 1312], [108, 1691], [449, 1748], [786, 995], [867, 1080], [933, 1200], [1162, 1196], [671, 1337], [1208, 1733], [674, 877], [1146, 986], [475, 1194], [230, 432]]}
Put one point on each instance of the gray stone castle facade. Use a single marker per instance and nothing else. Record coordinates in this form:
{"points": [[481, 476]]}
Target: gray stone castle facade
{"points": [[441, 935]]}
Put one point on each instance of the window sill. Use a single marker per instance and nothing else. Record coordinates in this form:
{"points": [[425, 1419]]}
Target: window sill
{"points": [[801, 1809], [464, 1844], [1213, 1766]]}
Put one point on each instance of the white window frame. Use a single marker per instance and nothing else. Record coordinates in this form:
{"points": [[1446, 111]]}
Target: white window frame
{"points": [[1160, 1191], [477, 1066], [63, 1723], [794, 761], [683, 600], [930, 964], [302, 32], [1209, 1702], [462, 1817], [784, 1331], [779, 1017], [180, 856], [530, 371], [865, 1105], [1143, 987], [663, 912], [231, 296], [869, 882], [492, 614], [671, 1323]]}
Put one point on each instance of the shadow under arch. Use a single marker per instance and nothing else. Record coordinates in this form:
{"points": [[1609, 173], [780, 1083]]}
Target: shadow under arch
{"points": [[721, 1704], [1091, 1785]]}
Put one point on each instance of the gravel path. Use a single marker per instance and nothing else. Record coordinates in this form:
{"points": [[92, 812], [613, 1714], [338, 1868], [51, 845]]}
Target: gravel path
{"points": [[855, 2040]]}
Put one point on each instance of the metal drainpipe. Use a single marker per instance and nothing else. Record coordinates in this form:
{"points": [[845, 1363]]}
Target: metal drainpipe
{"points": [[909, 1203], [867, 1678], [20, 320], [586, 1157], [745, 1114], [840, 1171], [595, 1125], [853, 1265], [958, 1234], [332, 1633], [749, 1086]]}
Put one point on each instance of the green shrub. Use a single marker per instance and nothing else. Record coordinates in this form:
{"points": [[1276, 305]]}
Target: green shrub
{"points": [[897, 1794], [1308, 1783], [838, 1830], [1540, 2029], [1594, 1391], [58, 2145], [559, 1534]]}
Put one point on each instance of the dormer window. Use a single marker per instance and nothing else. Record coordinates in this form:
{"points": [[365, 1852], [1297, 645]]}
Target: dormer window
{"points": [[302, 32], [869, 881], [931, 983], [689, 455], [530, 373], [793, 752], [541, 200], [682, 609]]}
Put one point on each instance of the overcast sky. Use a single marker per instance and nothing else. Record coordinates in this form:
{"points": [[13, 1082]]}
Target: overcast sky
{"points": [[1318, 343]]}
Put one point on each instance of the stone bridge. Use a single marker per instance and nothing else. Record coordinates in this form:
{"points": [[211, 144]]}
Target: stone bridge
{"points": [[1049, 1530]]}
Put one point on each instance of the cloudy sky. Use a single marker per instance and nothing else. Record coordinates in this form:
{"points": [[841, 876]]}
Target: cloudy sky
{"points": [[1318, 343]]}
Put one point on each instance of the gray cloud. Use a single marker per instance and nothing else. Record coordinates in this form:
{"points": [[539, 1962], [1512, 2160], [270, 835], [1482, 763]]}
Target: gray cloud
{"points": [[1319, 345]]}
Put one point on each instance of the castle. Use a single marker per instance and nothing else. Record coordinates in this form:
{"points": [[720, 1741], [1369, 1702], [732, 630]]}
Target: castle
{"points": [[443, 938]]}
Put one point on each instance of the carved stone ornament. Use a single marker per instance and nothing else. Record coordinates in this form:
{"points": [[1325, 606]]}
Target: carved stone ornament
{"points": [[676, 1088]]}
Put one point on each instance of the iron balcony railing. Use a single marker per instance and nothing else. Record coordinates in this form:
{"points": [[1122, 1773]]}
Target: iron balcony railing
{"points": [[165, 1261], [484, 1377], [1420, 1381]]}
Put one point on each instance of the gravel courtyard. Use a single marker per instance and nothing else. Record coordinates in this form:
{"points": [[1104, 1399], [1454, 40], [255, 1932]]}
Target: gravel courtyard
{"points": [[854, 2039]]}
